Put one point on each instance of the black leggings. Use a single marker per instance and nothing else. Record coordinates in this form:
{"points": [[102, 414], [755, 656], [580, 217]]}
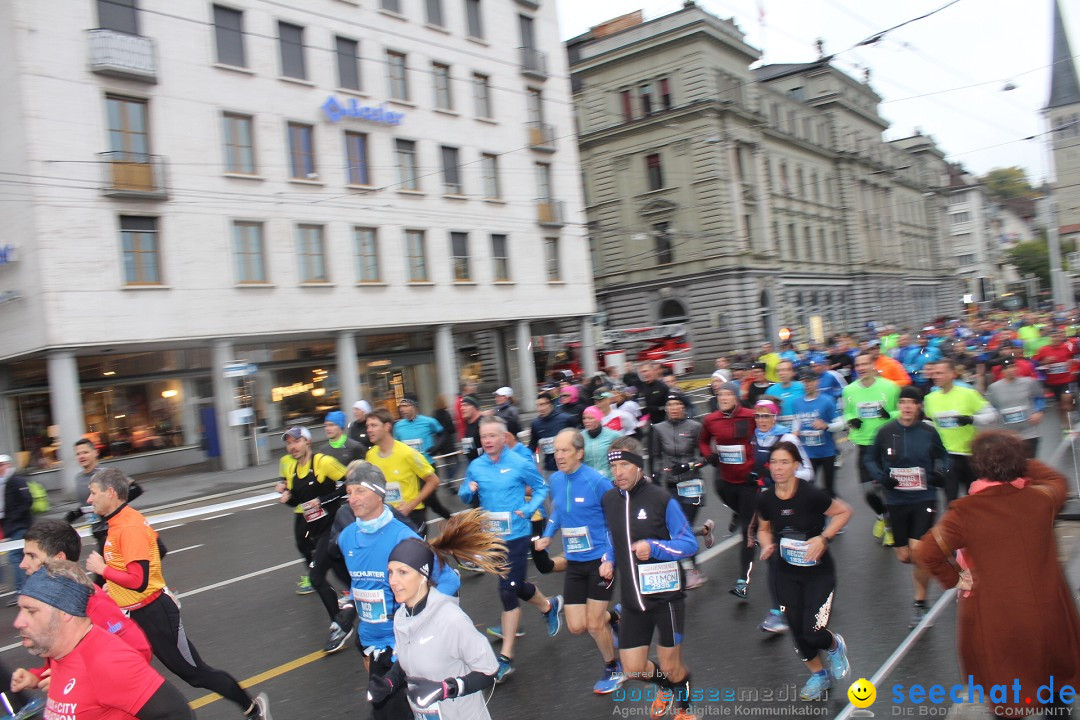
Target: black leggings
{"points": [[323, 561], [960, 475], [742, 498], [690, 510], [806, 600], [873, 493], [164, 628], [828, 466], [432, 501]]}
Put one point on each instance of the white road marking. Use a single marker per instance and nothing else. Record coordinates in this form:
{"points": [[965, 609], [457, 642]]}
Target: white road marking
{"points": [[170, 527], [239, 578], [180, 550], [262, 506], [215, 517]]}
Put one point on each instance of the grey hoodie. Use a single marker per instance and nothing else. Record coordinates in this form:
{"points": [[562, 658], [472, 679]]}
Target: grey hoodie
{"points": [[442, 642]]}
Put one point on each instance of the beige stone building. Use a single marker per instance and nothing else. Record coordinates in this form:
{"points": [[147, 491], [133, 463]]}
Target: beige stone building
{"points": [[740, 201]]}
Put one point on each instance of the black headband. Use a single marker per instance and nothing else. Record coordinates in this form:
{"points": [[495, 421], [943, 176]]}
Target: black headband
{"points": [[415, 553], [626, 455]]}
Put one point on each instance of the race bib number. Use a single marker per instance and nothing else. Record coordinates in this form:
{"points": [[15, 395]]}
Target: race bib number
{"points": [[909, 479], [432, 713], [812, 438], [416, 444], [659, 577], [785, 420], [498, 523], [393, 493], [576, 540], [547, 446], [731, 454], [370, 604], [1057, 368], [313, 510], [1014, 415], [869, 410], [690, 489], [947, 420], [793, 552], [466, 445]]}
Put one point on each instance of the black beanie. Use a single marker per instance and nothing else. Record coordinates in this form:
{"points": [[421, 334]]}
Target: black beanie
{"points": [[415, 553], [910, 392]]}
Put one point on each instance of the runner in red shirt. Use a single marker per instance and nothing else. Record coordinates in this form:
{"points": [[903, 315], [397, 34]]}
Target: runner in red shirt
{"points": [[1057, 362], [93, 675]]}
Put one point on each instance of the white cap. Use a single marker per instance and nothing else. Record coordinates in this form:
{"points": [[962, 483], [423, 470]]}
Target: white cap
{"points": [[506, 391], [722, 374], [5, 460], [362, 405]]}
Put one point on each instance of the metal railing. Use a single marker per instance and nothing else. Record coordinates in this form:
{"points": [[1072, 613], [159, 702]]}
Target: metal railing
{"points": [[534, 63], [119, 54], [541, 136], [133, 175], [549, 212]]}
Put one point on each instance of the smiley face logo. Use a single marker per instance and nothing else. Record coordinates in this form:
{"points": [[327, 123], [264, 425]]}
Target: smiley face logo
{"points": [[862, 693]]}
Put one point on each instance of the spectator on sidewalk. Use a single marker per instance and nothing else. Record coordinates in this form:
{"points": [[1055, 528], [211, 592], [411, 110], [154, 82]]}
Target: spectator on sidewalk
{"points": [[15, 517]]}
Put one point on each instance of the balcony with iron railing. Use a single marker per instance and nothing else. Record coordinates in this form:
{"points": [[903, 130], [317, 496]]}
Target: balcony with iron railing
{"points": [[122, 55], [531, 4], [550, 213], [133, 175], [533, 63], [541, 137]]}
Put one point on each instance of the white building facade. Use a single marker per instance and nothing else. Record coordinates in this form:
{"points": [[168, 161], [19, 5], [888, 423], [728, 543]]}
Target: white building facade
{"points": [[223, 216]]}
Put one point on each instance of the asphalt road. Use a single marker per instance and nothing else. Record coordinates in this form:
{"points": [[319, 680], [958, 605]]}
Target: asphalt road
{"points": [[236, 575]]}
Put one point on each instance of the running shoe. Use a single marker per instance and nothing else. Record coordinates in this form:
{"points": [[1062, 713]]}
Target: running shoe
{"points": [[917, 615], [304, 586], [879, 527], [471, 567], [838, 662], [610, 681], [817, 687], [707, 533], [554, 616], [337, 638], [660, 705], [734, 522], [496, 631], [615, 624], [694, 579], [506, 668], [260, 708], [887, 539], [774, 622], [741, 589], [345, 600]]}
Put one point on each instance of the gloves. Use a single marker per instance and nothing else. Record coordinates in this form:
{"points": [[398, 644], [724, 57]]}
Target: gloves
{"points": [[965, 420], [680, 468], [937, 480], [883, 413], [73, 515], [425, 693], [713, 460], [380, 687], [854, 423]]}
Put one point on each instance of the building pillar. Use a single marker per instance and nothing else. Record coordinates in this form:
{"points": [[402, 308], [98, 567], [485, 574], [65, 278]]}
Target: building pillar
{"points": [[527, 391], [65, 398], [348, 371], [446, 361], [230, 439], [189, 411], [588, 346]]}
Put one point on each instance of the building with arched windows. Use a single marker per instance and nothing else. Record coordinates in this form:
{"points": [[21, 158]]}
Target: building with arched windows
{"points": [[745, 200]]}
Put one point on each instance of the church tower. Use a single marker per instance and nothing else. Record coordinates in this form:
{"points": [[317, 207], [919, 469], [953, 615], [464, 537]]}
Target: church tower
{"points": [[1063, 119]]}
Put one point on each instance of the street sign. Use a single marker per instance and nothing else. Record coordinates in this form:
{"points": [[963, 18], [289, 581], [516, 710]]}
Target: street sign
{"points": [[239, 369]]}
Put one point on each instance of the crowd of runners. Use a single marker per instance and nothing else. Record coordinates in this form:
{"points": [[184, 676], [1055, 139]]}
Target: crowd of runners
{"points": [[616, 467]]}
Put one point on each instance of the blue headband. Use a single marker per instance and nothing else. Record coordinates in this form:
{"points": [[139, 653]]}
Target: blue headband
{"points": [[62, 593]]}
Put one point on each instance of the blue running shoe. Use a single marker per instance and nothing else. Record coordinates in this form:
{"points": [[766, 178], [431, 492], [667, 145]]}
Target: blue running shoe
{"points": [[774, 622], [610, 681], [506, 668], [838, 662], [554, 616], [816, 687]]}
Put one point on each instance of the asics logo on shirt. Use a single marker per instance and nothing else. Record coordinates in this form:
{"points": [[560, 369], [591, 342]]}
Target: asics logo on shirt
{"points": [[70, 686]]}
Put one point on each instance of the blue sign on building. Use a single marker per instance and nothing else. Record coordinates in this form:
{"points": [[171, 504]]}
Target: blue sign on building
{"points": [[337, 110]]}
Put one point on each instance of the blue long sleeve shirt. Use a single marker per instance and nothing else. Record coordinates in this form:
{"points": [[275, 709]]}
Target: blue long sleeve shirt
{"points": [[576, 509], [501, 488], [366, 556], [419, 434], [816, 443]]}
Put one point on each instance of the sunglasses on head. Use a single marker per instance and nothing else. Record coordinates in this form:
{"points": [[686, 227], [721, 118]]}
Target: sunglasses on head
{"points": [[763, 415]]}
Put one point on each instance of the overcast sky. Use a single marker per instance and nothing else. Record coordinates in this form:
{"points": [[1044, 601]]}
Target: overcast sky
{"points": [[943, 74]]}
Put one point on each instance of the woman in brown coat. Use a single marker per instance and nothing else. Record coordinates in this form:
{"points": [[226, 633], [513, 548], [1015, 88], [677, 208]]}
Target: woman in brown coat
{"points": [[1016, 619]]}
